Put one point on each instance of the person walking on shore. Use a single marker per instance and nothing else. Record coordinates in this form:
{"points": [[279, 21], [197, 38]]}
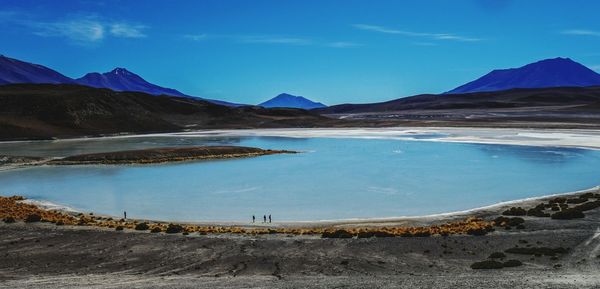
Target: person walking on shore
{"points": [[253, 218], [124, 215], [269, 218], [264, 218]]}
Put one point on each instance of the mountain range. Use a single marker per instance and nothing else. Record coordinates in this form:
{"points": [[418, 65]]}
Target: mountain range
{"points": [[17, 71], [556, 72], [119, 79], [44, 111], [37, 102], [291, 101], [557, 81]]}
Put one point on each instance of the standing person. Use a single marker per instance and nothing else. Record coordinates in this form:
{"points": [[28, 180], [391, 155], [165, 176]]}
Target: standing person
{"points": [[124, 215], [253, 218], [269, 218], [264, 218]]}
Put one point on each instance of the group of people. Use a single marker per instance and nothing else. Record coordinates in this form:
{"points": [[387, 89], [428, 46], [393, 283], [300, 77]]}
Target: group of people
{"points": [[253, 217], [264, 218]]}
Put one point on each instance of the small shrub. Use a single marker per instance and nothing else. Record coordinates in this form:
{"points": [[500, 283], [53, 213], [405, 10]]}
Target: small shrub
{"points": [[156, 230], [587, 206], [9, 220], [515, 211], [507, 222], [568, 215], [558, 200], [342, 234], [33, 218], [382, 234], [142, 227], [174, 229], [589, 195], [537, 251], [537, 212], [512, 263], [367, 234], [515, 221], [477, 232], [422, 234], [577, 201], [497, 255], [487, 264]]}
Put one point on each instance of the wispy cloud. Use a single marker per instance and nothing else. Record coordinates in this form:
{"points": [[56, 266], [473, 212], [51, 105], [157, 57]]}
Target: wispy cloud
{"points": [[271, 39], [432, 36], [342, 44], [424, 43], [195, 37], [126, 30], [80, 29], [581, 32]]}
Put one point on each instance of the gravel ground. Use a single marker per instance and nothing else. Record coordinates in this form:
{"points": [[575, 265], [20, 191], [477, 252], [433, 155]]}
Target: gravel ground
{"points": [[42, 255]]}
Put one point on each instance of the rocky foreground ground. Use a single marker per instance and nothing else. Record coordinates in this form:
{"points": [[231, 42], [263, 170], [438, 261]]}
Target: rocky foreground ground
{"points": [[551, 243]]}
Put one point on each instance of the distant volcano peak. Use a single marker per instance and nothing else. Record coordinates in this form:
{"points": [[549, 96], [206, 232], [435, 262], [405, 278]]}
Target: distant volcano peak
{"points": [[553, 72], [120, 71], [291, 101]]}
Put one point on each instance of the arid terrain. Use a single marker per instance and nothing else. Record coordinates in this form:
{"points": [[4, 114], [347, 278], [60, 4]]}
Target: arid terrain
{"points": [[550, 253]]}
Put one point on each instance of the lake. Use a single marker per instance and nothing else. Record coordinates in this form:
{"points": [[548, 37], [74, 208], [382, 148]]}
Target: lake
{"points": [[333, 178]]}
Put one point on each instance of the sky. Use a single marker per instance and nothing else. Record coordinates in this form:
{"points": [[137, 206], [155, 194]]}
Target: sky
{"points": [[342, 51]]}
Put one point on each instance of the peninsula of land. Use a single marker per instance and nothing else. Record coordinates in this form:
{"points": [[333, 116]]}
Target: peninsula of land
{"points": [[143, 156]]}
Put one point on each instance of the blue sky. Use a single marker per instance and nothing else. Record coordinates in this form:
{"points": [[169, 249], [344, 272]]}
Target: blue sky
{"points": [[330, 51]]}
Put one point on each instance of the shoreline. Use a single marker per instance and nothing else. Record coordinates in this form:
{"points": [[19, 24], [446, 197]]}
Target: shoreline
{"points": [[544, 137], [517, 252], [428, 219]]}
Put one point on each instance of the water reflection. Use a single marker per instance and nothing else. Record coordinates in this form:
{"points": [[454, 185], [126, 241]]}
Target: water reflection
{"points": [[549, 155]]}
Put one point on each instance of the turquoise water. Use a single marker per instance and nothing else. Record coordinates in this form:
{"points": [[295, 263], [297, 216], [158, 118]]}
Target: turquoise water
{"points": [[335, 178]]}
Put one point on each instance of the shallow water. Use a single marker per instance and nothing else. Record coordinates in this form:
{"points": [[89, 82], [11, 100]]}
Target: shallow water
{"points": [[335, 178]]}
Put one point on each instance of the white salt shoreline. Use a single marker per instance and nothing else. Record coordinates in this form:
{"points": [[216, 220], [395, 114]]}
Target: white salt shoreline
{"points": [[493, 209], [575, 138]]}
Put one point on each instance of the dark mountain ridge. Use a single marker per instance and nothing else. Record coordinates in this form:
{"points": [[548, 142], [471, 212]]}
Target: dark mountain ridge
{"points": [[16, 71], [43, 111], [513, 98], [119, 79]]}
